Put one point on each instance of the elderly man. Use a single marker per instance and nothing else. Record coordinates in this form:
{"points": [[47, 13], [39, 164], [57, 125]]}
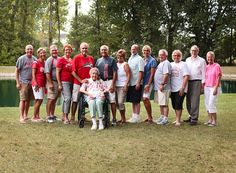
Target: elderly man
{"points": [[162, 86], [81, 65], [197, 68], [134, 94], [52, 85], [108, 72], [23, 81]]}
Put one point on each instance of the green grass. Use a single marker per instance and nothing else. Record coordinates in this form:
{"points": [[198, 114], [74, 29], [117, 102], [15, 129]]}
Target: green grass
{"points": [[136, 148]]}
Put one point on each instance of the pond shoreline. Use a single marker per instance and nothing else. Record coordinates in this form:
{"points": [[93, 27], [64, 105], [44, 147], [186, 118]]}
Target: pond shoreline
{"points": [[12, 76]]}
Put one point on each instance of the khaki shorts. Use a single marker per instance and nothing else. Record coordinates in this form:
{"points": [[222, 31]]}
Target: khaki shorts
{"points": [[75, 92], [53, 94], [162, 98], [121, 97], [147, 94], [112, 96], [26, 92]]}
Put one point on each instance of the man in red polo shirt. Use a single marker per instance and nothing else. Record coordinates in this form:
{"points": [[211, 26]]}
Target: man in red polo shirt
{"points": [[81, 65]]}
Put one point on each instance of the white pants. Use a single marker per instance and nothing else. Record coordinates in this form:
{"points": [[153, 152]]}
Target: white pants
{"points": [[210, 99]]}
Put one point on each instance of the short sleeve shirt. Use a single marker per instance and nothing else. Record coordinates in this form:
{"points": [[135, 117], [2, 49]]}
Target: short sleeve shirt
{"points": [[106, 67], [24, 65], [178, 71], [66, 69], [50, 67], [163, 68], [39, 75], [212, 73], [136, 64], [81, 66], [149, 64]]}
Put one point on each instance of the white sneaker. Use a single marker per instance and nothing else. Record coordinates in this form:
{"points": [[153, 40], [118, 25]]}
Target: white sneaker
{"points": [[101, 126], [159, 119], [134, 120], [94, 127], [164, 121]]}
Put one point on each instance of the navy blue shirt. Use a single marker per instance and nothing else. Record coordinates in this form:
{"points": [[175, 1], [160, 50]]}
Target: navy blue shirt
{"points": [[106, 66]]}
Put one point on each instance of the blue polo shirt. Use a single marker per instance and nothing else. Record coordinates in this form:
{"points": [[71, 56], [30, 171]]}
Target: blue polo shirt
{"points": [[150, 63]]}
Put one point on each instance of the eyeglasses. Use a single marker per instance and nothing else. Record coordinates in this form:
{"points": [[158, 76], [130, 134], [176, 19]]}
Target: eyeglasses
{"points": [[177, 55]]}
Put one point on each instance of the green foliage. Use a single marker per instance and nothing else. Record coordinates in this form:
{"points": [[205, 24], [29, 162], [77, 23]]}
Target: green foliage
{"points": [[26, 22], [169, 24]]}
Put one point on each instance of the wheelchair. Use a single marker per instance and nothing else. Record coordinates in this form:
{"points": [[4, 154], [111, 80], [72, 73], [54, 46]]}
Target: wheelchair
{"points": [[83, 110]]}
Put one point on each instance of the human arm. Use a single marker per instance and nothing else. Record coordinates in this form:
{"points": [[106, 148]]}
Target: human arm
{"points": [[128, 75], [58, 71], [184, 84], [17, 72], [164, 81], [147, 86], [78, 78], [217, 80], [112, 87], [34, 70]]}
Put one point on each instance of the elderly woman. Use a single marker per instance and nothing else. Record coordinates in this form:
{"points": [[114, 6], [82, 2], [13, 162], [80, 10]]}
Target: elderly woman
{"points": [[38, 83], [64, 79], [149, 71], [94, 89], [179, 80], [212, 87], [123, 78]]}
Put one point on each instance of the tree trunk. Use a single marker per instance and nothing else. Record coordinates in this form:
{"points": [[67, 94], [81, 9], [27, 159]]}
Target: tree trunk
{"points": [[50, 22]]}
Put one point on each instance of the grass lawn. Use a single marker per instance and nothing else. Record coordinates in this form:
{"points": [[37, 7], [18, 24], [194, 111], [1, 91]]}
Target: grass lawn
{"points": [[136, 148]]}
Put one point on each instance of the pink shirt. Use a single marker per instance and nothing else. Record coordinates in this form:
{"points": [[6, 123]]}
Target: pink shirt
{"points": [[212, 73]]}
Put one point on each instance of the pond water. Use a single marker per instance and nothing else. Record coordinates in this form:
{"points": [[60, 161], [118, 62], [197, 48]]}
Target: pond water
{"points": [[9, 95]]}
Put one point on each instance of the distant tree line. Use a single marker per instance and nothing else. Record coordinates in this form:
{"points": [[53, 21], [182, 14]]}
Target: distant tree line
{"points": [[169, 24], [25, 22]]}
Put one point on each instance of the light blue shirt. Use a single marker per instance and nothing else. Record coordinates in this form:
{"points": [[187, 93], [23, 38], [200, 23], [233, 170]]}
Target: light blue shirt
{"points": [[136, 64]]}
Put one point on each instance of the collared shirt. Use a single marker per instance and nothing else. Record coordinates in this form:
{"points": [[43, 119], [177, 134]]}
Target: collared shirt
{"points": [[150, 63], [106, 67], [212, 73], [197, 68], [136, 64]]}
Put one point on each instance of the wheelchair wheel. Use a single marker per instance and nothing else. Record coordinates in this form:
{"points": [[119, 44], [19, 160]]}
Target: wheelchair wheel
{"points": [[106, 113], [81, 111]]}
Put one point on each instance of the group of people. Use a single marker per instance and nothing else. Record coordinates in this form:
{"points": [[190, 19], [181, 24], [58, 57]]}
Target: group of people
{"points": [[130, 81]]}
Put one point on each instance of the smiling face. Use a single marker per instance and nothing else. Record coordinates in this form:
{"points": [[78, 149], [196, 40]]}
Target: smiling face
{"points": [[29, 50], [104, 51], [54, 51], [42, 54], [94, 74], [162, 55], [84, 49], [194, 51], [210, 58], [134, 49], [177, 56], [67, 51]]}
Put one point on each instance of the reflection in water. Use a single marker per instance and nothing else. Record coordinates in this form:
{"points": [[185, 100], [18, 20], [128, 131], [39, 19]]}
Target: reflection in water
{"points": [[9, 95]]}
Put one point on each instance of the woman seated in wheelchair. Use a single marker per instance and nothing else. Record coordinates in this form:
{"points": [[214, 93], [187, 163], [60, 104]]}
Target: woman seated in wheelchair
{"points": [[94, 90]]}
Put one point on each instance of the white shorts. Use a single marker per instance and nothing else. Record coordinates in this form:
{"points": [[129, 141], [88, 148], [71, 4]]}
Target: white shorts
{"points": [[112, 96], [210, 99], [162, 98], [75, 92], [147, 94], [39, 94]]}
